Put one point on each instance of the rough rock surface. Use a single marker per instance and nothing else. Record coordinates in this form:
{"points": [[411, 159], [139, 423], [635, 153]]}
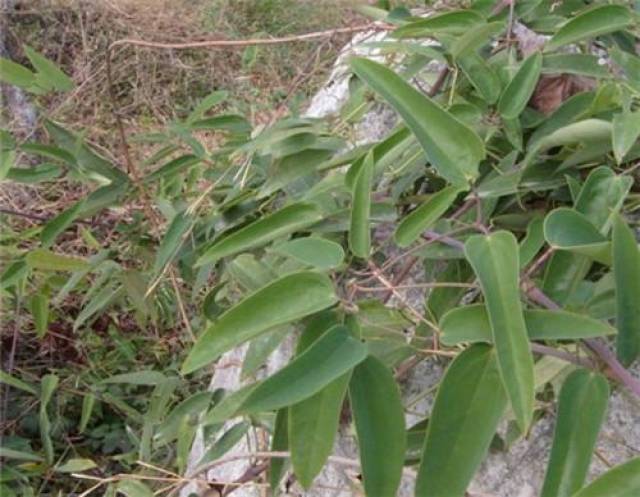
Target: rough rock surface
{"points": [[516, 472]]}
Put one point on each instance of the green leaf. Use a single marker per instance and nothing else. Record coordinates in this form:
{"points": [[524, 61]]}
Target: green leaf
{"points": [[567, 229], [581, 410], [515, 96], [313, 423], [148, 378], [626, 270], [51, 261], [133, 488], [48, 385], [49, 76], [495, 260], [621, 481], [36, 174], [360, 232], [454, 22], [279, 442], [482, 76], [379, 419], [453, 149], [88, 403], [191, 407], [289, 298], [466, 413], [574, 63], [471, 324], [14, 382], [441, 299], [19, 455], [40, 313], [226, 442], [59, 224], [266, 229], [15, 74], [422, 218], [591, 23], [207, 103], [625, 133], [330, 357], [532, 242], [316, 252], [172, 240], [474, 38], [76, 466]]}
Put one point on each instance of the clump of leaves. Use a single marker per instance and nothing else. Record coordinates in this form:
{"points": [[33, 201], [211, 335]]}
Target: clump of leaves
{"points": [[522, 215]]}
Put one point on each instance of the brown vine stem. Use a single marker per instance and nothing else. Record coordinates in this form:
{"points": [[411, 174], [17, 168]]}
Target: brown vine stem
{"points": [[596, 346]]}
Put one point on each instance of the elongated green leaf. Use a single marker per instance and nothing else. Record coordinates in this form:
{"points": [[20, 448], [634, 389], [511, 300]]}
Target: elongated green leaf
{"points": [[226, 442], [51, 261], [49, 75], [594, 22], [19, 455], [574, 63], [172, 241], [47, 386], [360, 232], [137, 378], [207, 103], [190, 407], [133, 488], [14, 382], [76, 466], [626, 130], [519, 90], [469, 404], [481, 75], [317, 252], [425, 216], [59, 224], [453, 149], [474, 38], [454, 22], [494, 259], [287, 299], [279, 442], [88, 403], [40, 313], [283, 222], [15, 74], [37, 174], [379, 419], [313, 423], [330, 357], [567, 229], [581, 409], [471, 324], [621, 481], [533, 241], [626, 269]]}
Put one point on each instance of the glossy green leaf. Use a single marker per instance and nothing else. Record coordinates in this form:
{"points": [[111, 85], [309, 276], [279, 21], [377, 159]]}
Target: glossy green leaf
{"points": [[172, 240], [582, 405], [621, 481], [227, 441], [495, 260], [360, 231], [423, 217], [468, 407], [626, 130], [567, 229], [316, 252], [49, 75], [591, 23], [471, 324], [626, 270], [379, 419], [330, 357], [574, 63], [289, 298], [454, 22], [453, 149], [314, 422], [266, 229], [46, 260], [516, 95], [137, 378], [59, 224]]}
